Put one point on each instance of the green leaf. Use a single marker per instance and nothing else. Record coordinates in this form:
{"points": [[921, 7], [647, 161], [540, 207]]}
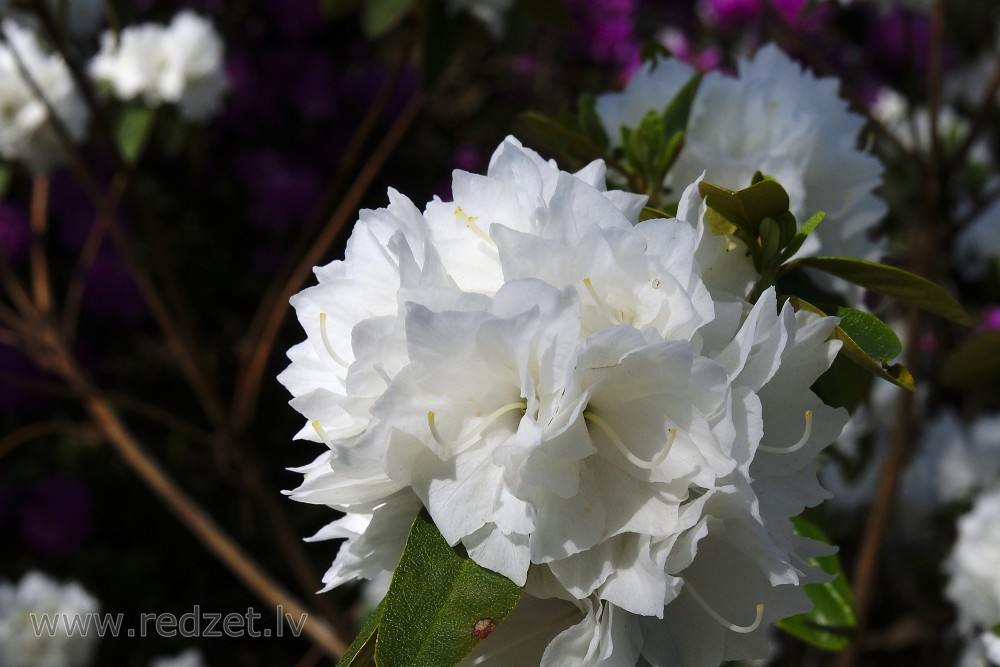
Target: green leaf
{"points": [[132, 131], [362, 649], [569, 148], [893, 282], [831, 622], [974, 362], [441, 604], [728, 205], [677, 113], [801, 235], [650, 213], [874, 336], [748, 207], [380, 16], [876, 339], [996, 629], [843, 385]]}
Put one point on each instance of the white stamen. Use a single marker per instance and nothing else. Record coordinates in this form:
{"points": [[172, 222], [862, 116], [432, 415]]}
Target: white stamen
{"points": [[469, 221], [798, 445], [321, 432], [468, 438], [633, 459], [326, 342], [601, 304], [742, 629]]}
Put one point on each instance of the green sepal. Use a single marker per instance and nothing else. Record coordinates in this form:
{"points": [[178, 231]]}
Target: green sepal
{"points": [[801, 235], [892, 282], [830, 624], [974, 362], [878, 338], [362, 649], [748, 207], [439, 602]]}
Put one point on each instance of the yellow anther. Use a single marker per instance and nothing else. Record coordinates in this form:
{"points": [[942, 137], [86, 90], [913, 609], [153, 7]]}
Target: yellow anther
{"points": [[798, 445], [470, 222], [632, 458]]}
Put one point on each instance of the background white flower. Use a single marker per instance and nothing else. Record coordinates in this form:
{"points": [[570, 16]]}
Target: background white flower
{"points": [[973, 567], [191, 657], [781, 120], [37, 594], [553, 381], [180, 63], [26, 128]]}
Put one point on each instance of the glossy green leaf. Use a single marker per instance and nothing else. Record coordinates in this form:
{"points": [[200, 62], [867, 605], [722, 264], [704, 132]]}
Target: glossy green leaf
{"points": [[874, 336], [133, 130], [380, 16], [897, 374], [893, 282], [802, 234], [362, 649], [728, 205], [677, 113], [748, 207], [831, 622], [569, 148], [441, 604], [974, 362]]}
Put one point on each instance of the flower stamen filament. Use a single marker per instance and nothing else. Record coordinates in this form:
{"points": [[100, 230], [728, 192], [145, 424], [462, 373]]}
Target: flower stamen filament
{"points": [[321, 432], [484, 424], [798, 445], [326, 342], [632, 458], [602, 305], [470, 222], [719, 618]]}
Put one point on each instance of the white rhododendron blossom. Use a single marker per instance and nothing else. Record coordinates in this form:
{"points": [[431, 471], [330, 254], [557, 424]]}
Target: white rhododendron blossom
{"points": [[775, 118], [35, 599], [974, 566], [26, 126], [581, 400], [180, 63]]}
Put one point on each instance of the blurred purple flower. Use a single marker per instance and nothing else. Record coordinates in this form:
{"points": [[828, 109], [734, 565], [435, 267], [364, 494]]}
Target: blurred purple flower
{"points": [[15, 232], [55, 516], [605, 30], [111, 293], [735, 14], [678, 44], [282, 191], [990, 319], [899, 42]]}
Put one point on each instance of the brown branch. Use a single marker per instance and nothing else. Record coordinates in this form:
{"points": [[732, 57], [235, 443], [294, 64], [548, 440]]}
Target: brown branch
{"points": [[36, 430], [211, 535], [254, 365], [40, 286], [95, 237]]}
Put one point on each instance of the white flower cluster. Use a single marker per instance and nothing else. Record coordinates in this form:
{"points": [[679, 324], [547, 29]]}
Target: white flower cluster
{"points": [[974, 572], [775, 118], [584, 401], [26, 126], [180, 63], [23, 605]]}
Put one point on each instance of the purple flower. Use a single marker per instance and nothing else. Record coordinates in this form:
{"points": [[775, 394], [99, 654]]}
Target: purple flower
{"points": [[605, 30], [55, 516], [15, 232], [282, 191], [990, 319]]}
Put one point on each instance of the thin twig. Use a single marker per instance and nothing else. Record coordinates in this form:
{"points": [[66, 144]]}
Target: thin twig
{"points": [[40, 286], [249, 382], [95, 237], [36, 430], [212, 536]]}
